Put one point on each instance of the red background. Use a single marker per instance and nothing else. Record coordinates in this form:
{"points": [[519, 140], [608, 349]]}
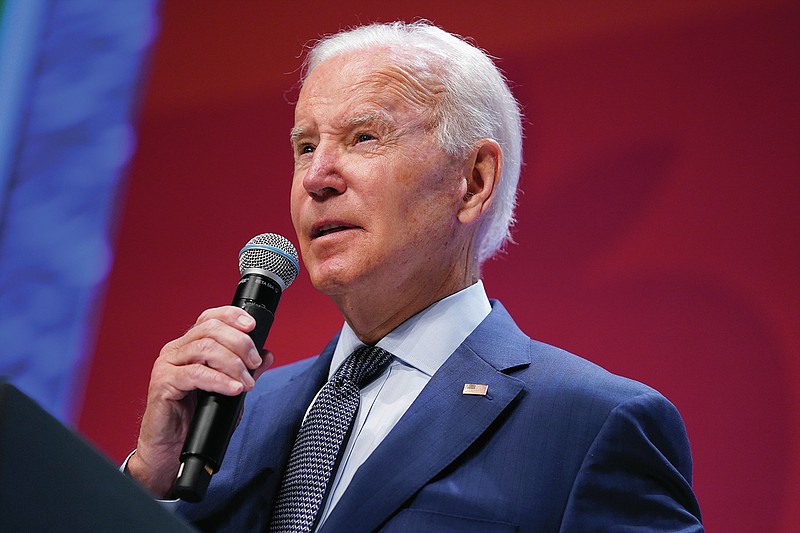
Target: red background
{"points": [[658, 226]]}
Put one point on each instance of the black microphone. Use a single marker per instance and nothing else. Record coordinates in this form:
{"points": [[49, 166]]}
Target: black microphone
{"points": [[268, 264]]}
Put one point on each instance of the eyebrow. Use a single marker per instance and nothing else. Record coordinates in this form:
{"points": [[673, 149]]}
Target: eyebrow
{"points": [[296, 134], [379, 118]]}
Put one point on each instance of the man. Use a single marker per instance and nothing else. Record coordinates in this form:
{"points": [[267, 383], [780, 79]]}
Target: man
{"points": [[407, 154]]}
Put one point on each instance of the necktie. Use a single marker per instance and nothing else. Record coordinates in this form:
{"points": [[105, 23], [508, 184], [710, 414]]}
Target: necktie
{"points": [[320, 442]]}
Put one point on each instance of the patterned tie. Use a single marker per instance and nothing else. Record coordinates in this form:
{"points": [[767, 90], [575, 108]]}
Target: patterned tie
{"points": [[319, 443]]}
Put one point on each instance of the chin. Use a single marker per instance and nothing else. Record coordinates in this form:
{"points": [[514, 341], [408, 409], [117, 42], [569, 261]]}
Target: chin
{"points": [[344, 271], [331, 281]]}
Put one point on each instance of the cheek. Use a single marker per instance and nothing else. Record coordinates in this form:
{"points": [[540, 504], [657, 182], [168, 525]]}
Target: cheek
{"points": [[434, 202], [296, 196]]}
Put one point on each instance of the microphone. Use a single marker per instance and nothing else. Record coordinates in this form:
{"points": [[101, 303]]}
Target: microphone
{"points": [[268, 265]]}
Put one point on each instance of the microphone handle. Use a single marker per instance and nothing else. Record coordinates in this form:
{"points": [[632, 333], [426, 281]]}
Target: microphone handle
{"points": [[216, 415]]}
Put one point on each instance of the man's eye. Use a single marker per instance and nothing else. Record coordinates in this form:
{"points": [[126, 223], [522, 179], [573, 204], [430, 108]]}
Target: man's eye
{"points": [[306, 149], [364, 137]]}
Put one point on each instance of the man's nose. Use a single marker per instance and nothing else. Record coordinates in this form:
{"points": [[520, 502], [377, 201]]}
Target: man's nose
{"points": [[323, 178]]}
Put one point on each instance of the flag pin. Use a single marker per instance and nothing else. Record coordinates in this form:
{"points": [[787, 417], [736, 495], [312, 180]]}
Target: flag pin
{"points": [[475, 389]]}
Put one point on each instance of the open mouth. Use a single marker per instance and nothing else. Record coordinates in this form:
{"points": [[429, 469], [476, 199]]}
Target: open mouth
{"points": [[327, 229]]}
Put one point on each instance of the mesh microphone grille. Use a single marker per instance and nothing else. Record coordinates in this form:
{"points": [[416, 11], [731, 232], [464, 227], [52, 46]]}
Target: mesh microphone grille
{"points": [[273, 253]]}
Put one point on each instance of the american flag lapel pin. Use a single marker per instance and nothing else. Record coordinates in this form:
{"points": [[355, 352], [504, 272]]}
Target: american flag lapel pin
{"points": [[475, 389]]}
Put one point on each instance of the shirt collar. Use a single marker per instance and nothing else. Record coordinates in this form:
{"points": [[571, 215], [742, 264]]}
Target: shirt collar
{"points": [[427, 339]]}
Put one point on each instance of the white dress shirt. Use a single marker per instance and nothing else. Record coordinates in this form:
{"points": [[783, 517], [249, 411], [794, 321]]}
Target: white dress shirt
{"points": [[420, 345]]}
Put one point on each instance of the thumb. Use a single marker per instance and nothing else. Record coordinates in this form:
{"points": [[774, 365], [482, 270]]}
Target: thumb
{"points": [[268, 358]]}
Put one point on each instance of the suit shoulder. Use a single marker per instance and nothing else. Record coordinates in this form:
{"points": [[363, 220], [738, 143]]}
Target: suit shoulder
{"points": [[586, 398], [559, 374], [546, 369]]}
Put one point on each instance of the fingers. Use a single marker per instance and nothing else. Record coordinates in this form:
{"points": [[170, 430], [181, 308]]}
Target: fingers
{"points": [[229, 326], [200, 377], [215, 355]]}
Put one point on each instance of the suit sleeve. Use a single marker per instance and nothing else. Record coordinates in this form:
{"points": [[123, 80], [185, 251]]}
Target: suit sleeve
{"points": [[637, 473]]}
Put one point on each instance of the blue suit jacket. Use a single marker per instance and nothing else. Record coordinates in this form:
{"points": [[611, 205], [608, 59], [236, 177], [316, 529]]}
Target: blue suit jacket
{"points": [[557, 444]]}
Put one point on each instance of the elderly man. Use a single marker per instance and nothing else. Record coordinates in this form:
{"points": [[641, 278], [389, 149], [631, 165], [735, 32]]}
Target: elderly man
{"points": [[407, 148]]}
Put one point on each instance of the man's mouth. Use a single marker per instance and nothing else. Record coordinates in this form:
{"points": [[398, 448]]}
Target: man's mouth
{"points": [[327, 229]]}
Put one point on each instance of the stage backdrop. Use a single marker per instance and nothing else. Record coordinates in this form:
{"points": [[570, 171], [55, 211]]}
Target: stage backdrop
{"points": [[658, 226]]}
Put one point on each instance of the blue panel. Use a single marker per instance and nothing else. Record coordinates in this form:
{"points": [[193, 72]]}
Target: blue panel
{"points": [[20, 27], [65, 172]]}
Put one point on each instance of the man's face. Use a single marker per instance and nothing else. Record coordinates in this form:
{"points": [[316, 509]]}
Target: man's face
{"points": [[374, 197]]}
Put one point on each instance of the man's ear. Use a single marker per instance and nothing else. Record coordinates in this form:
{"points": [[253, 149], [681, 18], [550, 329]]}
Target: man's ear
{"points": [[482, 175]]}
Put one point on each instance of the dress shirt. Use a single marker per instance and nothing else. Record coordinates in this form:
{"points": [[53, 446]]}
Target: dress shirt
{"points": [[420, 345]]}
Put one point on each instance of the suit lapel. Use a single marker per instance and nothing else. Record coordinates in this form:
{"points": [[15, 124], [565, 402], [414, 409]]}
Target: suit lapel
{"points": [[438, 427], [275, 420]]}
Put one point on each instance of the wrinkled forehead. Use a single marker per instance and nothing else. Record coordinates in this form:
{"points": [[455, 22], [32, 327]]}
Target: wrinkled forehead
{"points": [[385, 76]]}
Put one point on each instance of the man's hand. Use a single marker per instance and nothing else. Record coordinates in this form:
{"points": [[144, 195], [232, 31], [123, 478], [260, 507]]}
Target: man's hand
{"points": [[215, 355]]}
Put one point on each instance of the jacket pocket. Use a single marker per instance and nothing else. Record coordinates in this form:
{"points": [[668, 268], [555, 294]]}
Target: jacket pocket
{"points": [[417, 520]]}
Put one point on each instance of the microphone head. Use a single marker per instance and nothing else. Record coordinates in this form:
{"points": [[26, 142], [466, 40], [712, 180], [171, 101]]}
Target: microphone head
{"points": [[272, 253]]}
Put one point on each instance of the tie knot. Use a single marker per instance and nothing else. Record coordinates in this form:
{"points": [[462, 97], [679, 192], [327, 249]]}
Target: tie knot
{"points": [[363, 364]]}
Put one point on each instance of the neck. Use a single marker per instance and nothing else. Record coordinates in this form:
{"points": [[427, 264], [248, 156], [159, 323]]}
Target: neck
{"points": [[372, 318]]}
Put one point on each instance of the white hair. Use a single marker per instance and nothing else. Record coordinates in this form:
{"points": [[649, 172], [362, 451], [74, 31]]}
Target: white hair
{"points": [[476, 104]]}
